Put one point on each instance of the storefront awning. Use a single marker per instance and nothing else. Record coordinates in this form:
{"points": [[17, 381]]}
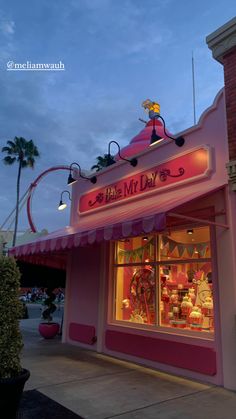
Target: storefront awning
{"points": [[70, 237], [59, 242]]}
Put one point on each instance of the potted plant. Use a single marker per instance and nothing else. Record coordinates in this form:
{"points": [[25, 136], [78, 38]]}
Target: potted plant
{"points": [[49, 329], [12, 375]]}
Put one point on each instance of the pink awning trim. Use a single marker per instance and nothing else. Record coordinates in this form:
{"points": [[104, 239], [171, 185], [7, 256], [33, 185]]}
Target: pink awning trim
{"points": [[68, 237]]}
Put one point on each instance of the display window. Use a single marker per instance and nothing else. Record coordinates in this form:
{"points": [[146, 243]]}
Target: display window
{"points": [[165, 280], [140, 290]]}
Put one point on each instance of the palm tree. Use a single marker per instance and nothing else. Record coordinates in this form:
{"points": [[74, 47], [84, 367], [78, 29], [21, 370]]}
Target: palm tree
{"points": [[24, 152], [102, 162]]}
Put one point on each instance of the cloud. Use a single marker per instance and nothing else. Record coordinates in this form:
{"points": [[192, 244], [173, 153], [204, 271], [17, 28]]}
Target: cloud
{"points": [[7, 27], [7, 30], [63, 128], [116, 55], [119, 30]]}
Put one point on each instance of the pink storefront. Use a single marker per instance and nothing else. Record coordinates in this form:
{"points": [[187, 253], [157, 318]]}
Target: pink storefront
{"points": [[150, 255]]}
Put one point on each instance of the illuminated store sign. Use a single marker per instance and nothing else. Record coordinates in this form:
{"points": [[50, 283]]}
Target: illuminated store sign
{"points": [[185, 168]]}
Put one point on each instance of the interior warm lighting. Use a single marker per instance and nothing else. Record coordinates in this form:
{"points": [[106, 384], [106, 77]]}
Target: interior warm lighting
{"points": [[62, 205], [180, 290], [110, 160], [145, 238], [72, 180], [190, 231]]}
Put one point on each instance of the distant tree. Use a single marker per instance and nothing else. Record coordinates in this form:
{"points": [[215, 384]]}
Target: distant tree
{"points": [[103, 161], [23, 152]]}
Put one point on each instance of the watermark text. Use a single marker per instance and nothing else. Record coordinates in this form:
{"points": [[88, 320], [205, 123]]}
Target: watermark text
{"points": [[29, 66]]}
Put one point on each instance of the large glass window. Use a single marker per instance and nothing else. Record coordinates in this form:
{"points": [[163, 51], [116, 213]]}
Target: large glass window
{"points": [[165, 280]]}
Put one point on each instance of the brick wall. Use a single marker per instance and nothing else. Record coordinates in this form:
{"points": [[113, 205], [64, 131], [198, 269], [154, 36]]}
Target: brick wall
{"points": [[229, 62]]}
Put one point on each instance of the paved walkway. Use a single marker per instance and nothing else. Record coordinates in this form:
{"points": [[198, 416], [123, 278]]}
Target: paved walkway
{"points": [[95, 386]]}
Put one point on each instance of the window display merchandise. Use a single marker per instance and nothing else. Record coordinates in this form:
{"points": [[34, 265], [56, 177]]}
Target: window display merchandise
{"points": [[165, 280]]}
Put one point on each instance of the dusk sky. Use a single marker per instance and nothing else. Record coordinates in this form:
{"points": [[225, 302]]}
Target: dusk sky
{"points": [[116, 54]]}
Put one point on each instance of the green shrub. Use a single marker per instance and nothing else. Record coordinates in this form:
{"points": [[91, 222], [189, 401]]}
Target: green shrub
{"points": [[11, 342]]}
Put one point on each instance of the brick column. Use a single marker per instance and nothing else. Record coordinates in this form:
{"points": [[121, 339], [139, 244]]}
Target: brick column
{"points": [[222, 42]]}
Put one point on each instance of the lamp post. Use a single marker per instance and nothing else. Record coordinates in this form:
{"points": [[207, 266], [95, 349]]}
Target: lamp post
{"points": [[72, 180], [133, 162], [62, 205], [153, 109]]}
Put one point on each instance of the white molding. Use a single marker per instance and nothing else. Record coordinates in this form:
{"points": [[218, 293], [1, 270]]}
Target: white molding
{"points": [[231, 169], [222, 40]]}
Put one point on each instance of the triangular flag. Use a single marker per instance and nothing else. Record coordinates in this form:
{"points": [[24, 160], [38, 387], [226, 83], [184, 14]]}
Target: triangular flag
{"points": [[201, 248], [172, 245], [165, 240], [190, 249], [127, 256], [181, 249], [140, 253]]}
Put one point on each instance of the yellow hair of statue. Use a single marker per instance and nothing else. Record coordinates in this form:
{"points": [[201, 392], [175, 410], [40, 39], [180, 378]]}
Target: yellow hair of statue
{"points": [[151, 106]]}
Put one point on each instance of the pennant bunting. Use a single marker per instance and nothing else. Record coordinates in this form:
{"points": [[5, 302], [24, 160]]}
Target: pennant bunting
{"points": [[172, 245], [138, 254], [165, 240], [181, 249], [202, 248], [190, 249]]}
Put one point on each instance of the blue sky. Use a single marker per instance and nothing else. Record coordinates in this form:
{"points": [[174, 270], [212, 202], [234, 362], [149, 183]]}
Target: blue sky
{"points": [[116, 54]]}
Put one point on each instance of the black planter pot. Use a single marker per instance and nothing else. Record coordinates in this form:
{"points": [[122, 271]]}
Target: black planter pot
{"points": [[11, 390]]}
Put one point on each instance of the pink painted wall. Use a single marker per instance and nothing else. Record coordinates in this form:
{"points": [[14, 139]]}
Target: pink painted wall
{"points": [[188, 356], [83, 295], [170, 348], [211, 130], [83, 287]]}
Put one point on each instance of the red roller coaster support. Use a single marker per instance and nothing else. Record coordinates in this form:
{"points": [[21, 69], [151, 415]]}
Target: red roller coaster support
{"points": [[33, 186]]}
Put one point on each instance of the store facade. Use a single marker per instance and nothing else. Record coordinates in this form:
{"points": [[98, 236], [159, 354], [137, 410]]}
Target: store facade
{"points": [[150, 255], [153, 298]]}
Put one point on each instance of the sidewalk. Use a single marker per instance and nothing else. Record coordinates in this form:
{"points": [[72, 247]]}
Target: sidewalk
{"points": [[96, 386]]}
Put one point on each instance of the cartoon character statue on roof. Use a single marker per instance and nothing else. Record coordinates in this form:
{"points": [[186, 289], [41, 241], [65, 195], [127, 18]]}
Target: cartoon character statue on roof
{"points": [[153, 108]]}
